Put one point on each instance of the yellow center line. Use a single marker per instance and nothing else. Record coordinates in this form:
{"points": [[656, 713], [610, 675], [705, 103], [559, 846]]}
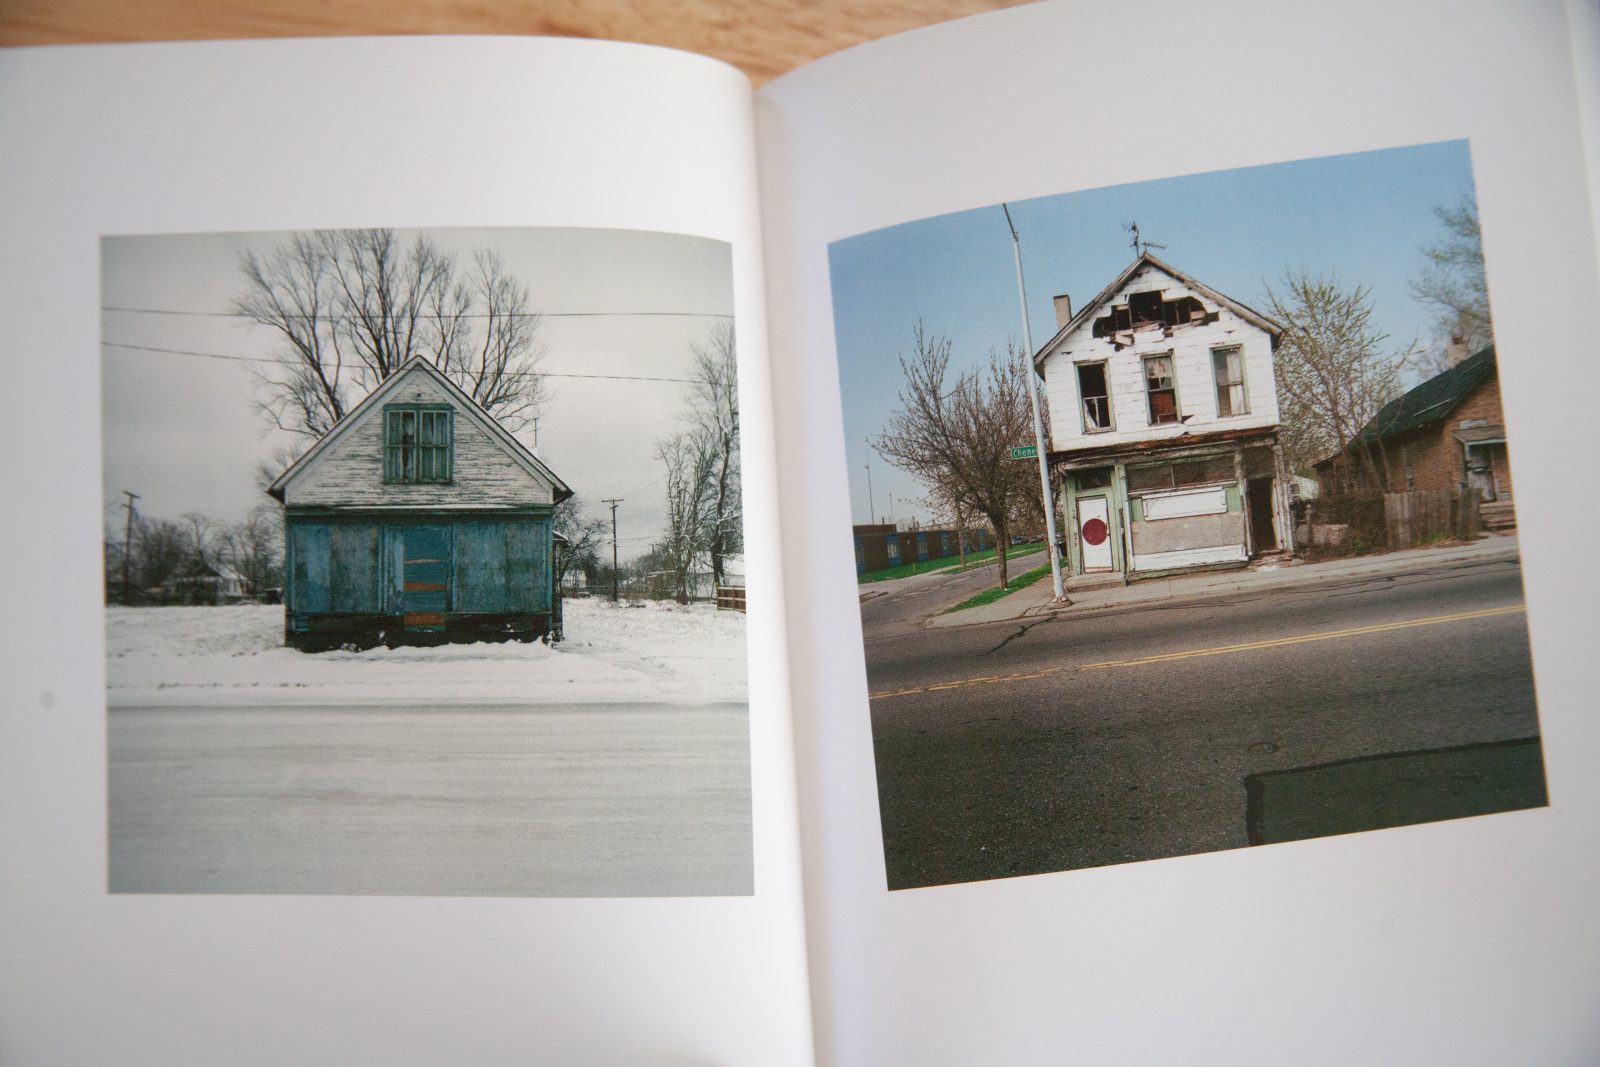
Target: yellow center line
{"points": [[1219, 650]]}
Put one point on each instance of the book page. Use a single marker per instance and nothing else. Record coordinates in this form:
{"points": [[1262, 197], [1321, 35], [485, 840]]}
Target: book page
{"points": [[1277, 773], [395, 670]]}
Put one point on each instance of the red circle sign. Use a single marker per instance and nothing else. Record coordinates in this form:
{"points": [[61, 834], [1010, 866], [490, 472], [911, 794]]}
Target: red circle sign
{"points": [[1094, 531]]}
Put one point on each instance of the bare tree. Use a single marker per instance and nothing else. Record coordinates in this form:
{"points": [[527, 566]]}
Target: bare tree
{"points": [[585, 536], [689, 467], [1454, 284], [715, 415], [198, 529], [1333, 374], [253, 547], [954, 434], [160, 550], [350, 307]]}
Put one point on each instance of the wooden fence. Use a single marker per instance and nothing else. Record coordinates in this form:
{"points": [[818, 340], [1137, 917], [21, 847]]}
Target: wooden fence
{"points": [[1430, 515], [730, 598]]}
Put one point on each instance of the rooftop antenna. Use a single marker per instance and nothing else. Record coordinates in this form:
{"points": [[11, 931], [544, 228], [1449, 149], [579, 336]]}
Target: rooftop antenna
{"points": [[1140, 247]]}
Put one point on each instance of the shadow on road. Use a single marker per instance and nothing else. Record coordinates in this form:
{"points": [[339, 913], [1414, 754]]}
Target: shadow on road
{"points": [[1394, 789]]}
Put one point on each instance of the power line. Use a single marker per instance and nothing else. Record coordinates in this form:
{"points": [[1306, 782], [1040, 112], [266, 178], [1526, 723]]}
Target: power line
{"points": [[512, 374], [463, 315]]}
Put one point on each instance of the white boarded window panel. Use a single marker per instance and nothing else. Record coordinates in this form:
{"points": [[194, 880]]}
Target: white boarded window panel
{"points": [[1178, 505]]}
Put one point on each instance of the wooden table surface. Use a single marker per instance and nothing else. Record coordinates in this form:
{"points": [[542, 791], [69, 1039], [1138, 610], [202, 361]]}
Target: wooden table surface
{"points": [[764, 38]]}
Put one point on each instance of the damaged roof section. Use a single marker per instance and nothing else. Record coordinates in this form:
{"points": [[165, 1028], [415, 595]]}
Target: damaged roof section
{"points": [[1148, 310]]}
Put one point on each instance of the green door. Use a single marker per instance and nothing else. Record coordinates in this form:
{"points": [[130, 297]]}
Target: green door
{"points": [[425, 585]]}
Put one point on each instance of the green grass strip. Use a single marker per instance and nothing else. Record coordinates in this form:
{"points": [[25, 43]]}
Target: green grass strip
{"points": [[949, 563], [989, 596]]}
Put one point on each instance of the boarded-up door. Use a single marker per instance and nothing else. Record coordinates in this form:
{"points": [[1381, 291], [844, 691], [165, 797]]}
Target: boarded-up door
{"points": [[425, 576], [1094, 533]]}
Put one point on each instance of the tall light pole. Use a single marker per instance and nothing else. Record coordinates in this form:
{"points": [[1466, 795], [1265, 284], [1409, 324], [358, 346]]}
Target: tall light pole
{"points": [[872, 508], [1038, 421]]}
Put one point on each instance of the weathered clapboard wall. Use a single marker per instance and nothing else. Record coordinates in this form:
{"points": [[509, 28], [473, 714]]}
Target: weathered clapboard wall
{"points": [[1191, 346], [369, 560], [351, 475]]}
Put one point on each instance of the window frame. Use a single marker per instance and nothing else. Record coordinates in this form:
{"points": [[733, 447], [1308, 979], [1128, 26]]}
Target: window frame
{"points": [[1242, 383], [1105, 373], [400, 469], [1149, 393]]}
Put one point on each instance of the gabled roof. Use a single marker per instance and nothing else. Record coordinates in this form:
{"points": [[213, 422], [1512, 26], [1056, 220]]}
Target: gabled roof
{"points": [[1431, 401], [1088, 311], [515, 449]]}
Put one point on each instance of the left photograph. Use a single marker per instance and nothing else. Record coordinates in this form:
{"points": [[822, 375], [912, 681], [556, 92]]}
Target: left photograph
{"points": [[424, 564]]}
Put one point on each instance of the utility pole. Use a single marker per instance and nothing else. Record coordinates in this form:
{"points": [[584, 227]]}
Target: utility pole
{"points": [[613, 502], [872, 507], [127, 543], [1038, 422]]}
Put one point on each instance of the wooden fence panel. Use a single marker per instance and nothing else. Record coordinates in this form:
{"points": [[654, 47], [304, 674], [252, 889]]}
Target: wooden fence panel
{"points": [[1423, 515], [730, 598]]}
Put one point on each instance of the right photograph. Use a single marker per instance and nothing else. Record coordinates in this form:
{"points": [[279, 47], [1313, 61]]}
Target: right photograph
{"points": [[1183, 517]]}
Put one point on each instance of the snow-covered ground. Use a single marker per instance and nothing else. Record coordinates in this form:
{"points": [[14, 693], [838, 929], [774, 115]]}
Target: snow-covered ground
{"points": [[661, 653]]}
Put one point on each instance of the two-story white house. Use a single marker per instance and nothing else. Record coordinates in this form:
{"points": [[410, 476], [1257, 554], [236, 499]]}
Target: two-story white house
{"points": [[1164, 428]]}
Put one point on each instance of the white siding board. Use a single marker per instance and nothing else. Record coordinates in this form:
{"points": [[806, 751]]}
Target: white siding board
{"points": [[1191, 348], [350, 472]]}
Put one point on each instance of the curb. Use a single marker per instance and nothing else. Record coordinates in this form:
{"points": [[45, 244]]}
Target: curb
{"points": [[1275, 580]]}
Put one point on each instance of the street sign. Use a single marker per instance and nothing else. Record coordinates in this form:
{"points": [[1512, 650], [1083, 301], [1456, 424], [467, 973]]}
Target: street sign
{"points": [[1025, 452]]}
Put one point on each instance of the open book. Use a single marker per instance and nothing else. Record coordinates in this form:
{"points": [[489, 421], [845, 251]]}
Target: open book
{"points": [[470, 597]]}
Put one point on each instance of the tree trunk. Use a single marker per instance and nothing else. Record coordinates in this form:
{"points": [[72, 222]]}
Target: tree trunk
{"points": [[1002, 535]]}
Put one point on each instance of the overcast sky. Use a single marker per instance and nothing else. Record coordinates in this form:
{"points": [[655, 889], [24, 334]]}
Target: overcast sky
{"points": [[184, 433], [1363, 217]]}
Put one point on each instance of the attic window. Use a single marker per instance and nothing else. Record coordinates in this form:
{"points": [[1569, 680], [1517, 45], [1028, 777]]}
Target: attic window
{"points": [[1149, 309], [418, 444]]}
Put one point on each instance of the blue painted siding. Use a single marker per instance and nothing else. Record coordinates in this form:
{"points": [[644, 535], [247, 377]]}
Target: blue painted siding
{"points": [[309, 590], [384, 566]]}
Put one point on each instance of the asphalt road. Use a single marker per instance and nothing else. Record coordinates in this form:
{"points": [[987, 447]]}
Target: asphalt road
{"points": [[582, 800], [1079, 740]]}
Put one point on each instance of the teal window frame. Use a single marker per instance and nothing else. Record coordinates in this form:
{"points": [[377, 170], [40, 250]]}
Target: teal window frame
{"points": [[413, 452]]}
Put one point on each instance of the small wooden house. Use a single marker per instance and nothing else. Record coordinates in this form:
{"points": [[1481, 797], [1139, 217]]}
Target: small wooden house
{"points": [[418, 519], [1446, 433]]}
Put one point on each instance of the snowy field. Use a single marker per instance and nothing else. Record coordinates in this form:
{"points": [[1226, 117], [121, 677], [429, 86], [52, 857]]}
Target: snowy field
{"points": [[616, 763], [662, 653]]}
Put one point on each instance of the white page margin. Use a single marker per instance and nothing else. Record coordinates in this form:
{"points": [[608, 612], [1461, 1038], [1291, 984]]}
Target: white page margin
{"points": [[1471, 941], [270, 136]]}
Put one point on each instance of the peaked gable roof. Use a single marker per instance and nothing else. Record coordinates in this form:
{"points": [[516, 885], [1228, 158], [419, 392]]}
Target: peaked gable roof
{"points": [[1431, 401], [515, 449], [1146, 260]]}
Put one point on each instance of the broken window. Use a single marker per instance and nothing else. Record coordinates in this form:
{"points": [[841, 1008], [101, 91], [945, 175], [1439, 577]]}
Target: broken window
{"points": [[1148, 308], [1161, 389], [1227, 364], [417, 444], [1098, 478], [1182, 473], [1144, 307], [1095, 395]]}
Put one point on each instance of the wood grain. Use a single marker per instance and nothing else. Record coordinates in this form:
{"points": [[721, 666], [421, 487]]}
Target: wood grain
{"points": [[764, 38]]}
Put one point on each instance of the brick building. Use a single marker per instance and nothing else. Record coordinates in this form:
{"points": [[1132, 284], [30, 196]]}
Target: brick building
{"points": [[1447, 433]]}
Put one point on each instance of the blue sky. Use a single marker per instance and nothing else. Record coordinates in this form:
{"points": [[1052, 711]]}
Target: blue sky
{"points": [[1364, 218]]}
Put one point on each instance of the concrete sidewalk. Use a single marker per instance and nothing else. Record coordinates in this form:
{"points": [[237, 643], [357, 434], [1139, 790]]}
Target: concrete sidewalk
{"points": [[1036, 599]]}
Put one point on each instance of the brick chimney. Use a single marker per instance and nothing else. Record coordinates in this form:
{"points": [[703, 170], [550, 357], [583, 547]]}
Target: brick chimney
{"points": [[1063, 310], [1456, 350]]}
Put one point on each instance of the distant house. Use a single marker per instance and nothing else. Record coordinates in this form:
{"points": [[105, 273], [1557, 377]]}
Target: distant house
{"points": [[1447, 433], [205, 583], [1164, 428], [418, 519]]}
